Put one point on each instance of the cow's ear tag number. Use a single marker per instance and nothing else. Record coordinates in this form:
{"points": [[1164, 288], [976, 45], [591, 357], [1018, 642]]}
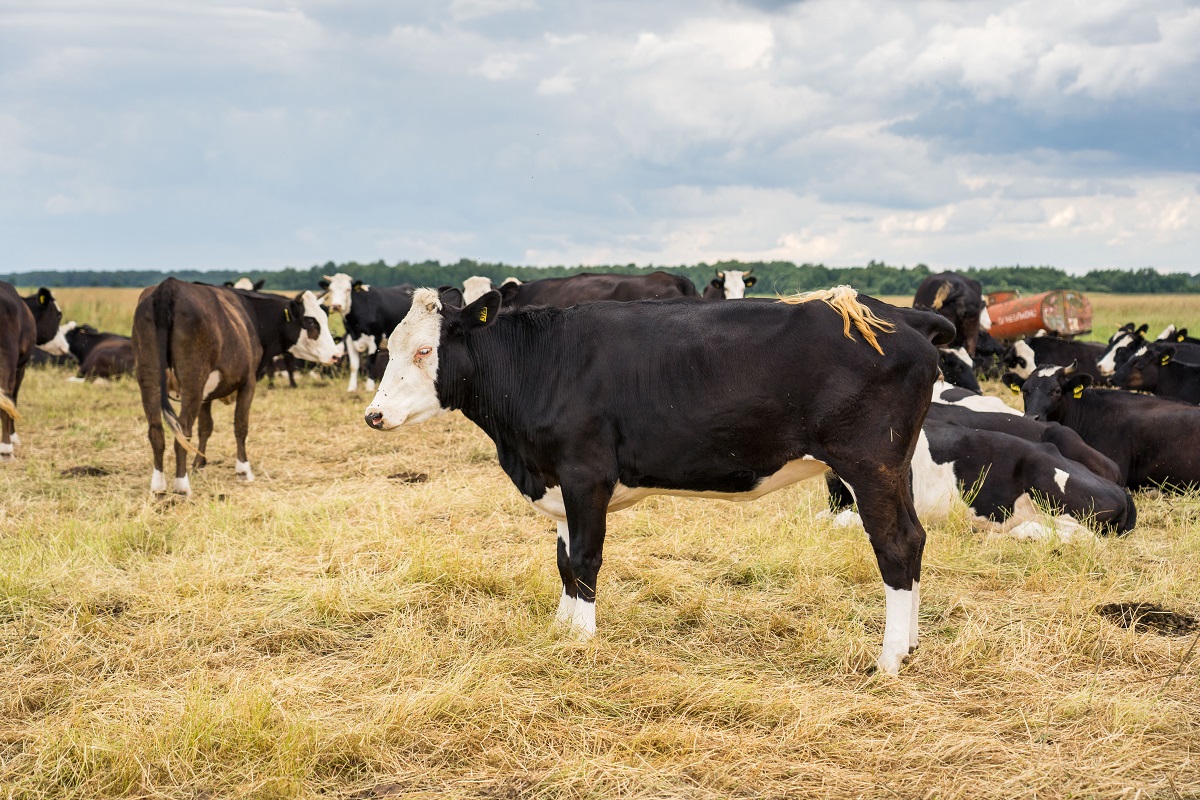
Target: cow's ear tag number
{"points": [[1078, 392], [483, 314]]}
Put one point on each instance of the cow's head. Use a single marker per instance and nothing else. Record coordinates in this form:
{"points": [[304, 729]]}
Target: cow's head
{"points": [[47, 318], [1049, 390], [307, 325], [408, 391], [475, 287], [732, 284], [1121, 345], [339, 291], [1020, 359], [1141, 370], [958, 368]]}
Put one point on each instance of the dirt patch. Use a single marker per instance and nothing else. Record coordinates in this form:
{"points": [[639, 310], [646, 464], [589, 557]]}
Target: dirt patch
{"points": [[1148, 616], [85, 472], [409, 477]]}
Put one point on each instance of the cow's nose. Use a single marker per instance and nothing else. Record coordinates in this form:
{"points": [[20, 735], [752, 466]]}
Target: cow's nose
{"points": [[375, 419]]}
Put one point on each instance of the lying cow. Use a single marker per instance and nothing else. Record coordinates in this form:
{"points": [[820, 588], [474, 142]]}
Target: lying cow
{"points": [[210, 340], [949, 394], [994, 471], [958, 368], [372, 311], [25, 322], [1155, 369], [1027, 355], [590, 287], [1176, 335], [729, 285], [1154, 442], [959, 299], [843, 385], [100, 355]]}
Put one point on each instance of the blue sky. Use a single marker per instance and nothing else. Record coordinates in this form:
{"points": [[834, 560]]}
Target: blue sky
{"points": [[175, 134]]}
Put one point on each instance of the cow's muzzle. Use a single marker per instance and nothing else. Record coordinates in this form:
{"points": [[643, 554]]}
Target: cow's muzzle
{"points": [[375, 419]]}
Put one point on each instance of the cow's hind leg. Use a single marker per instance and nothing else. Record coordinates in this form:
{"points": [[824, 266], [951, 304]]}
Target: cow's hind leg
{"points": [[886, 507], [190, 404], [241, 427], [204, 430], [566, 604]]}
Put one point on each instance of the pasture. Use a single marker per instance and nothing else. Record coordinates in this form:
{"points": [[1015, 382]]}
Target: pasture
{"points": [[372, 618]]}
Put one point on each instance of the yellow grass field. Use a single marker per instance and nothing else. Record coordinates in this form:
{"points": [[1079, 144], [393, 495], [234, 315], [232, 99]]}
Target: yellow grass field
{"points": [[331, 631]]}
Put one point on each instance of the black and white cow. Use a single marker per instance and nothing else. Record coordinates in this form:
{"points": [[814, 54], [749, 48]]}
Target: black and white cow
{"points": [[958, 368], [476, 287], [247, 284], [100, 355], [949, 394], [594, 407], [998, 473], [1177, 335], [371, 310], [25, 322], [1155, 369], [1129, 340], [1027, 355], [959, 299], [210, 341], [591, 287], [729, 284], [1154, 442]]}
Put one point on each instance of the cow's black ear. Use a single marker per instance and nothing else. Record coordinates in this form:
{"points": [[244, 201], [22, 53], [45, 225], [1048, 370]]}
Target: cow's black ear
{"points": [[750, 281], [717, 283], [450, 296], [508, 291], [1013, 381], [1181, 334], [358, 286], [1165, 355], [324, 284], [294, 310], [259, 284], [1077, 383], [44, 296], [1143, 328], [229, 284], [481, 312]]}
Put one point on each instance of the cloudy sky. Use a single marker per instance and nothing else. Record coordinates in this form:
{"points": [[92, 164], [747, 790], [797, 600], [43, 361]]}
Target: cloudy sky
{"points": [[194, 134]]}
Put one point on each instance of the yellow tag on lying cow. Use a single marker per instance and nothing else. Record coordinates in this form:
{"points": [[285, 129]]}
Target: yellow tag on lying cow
{"points": [[1015, 389], [1165, 360], [1078, 392], [1180, 338], [483, 314]]}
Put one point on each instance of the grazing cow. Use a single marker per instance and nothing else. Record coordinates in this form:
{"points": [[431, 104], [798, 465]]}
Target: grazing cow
{"points": [[475, 287], [950, 394], [365, 309], [993, 471], [960, 300], [1155, 369], [589, 287], [729, 285], [211, 340], [100, 355], [247, 284], [1027, 355], [958, 368], [25, 322], [594, 407], [1154, 442]]}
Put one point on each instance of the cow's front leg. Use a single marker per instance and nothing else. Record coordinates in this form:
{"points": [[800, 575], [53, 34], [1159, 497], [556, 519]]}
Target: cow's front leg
{"points": [[566, 603], [587, 507]]}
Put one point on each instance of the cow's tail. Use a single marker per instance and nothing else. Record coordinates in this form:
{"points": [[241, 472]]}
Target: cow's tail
{"points": [[9, 407], [844, 300], [164, 320]]}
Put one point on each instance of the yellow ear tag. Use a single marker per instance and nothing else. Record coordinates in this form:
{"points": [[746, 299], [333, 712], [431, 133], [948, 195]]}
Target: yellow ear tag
{"points": [[1078, 392], [42, 299], [1015, 389], [287, 315], [483, 314], [1165, 360], [1180, 338]]}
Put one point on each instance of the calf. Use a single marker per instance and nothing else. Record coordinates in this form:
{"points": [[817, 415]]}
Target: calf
{"points": [[993, 472], [729, 285], [24, 324], [1026, 355], [960, 300], [100, 355], [211, 340], [366, 310], [1154, 442], [843, 385], [1155, 369], [590, 287]]}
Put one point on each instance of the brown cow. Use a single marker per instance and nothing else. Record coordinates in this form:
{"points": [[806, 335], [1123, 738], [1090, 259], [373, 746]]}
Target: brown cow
{"points": [[211, 339], [24, 322]]}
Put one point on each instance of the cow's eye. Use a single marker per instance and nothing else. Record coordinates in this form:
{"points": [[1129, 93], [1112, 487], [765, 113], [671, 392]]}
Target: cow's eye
{"points": [[422, 352]]}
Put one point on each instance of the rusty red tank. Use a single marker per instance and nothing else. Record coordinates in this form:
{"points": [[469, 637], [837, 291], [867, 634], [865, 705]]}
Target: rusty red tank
{"points": [[1065, 312]]}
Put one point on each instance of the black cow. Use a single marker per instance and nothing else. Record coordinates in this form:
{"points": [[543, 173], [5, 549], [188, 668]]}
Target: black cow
{"points": [[1154, 442], [960, 300], [25, 322], [210, 340], [1027, 355], [994, 471], [729, 285], [1155, 369], [365, 309], [1129, 340], [958, 368], [597, 406], [590, 287], [100, 355]]}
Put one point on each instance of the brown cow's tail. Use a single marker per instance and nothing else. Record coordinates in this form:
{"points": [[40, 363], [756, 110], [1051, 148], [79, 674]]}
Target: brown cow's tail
{"points": [[9, 407], [844, 300], [164, 319]]}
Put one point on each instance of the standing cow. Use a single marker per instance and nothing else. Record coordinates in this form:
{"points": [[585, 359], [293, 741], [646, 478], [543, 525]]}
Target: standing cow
{"points": [[591, 287], [25, 322], [960, 300], [366, 310], [650, 401], [729, 285], [211, 339]]}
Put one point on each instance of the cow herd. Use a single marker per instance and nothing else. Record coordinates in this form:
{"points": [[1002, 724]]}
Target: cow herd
{"points": [[599, 390]]}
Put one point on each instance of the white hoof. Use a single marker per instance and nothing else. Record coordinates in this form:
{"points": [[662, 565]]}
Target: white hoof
{"points": [[566, 605], [583, 620], [15, 439], [890, 662], [242, 468], [158, 483], [183, 486]]}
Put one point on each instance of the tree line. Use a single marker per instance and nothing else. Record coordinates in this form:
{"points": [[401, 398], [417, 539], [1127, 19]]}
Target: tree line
{"points": [[774, 277]]}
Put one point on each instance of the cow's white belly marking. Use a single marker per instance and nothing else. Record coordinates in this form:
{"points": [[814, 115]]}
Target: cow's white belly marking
{"points": [[551, 503]]}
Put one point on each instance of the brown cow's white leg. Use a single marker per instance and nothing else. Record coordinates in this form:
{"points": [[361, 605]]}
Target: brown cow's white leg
{"points": [[241, 427]]}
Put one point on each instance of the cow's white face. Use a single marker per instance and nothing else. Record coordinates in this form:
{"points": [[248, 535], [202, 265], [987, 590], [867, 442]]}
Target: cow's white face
{"points": [[1108, 363], [58, 345], [985, 319], [322, 350], [408, 391], [475, 287], [244, 283], [337, 296], [735, 284], [1025, 359]]}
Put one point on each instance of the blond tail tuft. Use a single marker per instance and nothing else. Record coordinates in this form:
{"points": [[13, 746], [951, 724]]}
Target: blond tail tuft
{"points": [[844, 300], [9, 407]]}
